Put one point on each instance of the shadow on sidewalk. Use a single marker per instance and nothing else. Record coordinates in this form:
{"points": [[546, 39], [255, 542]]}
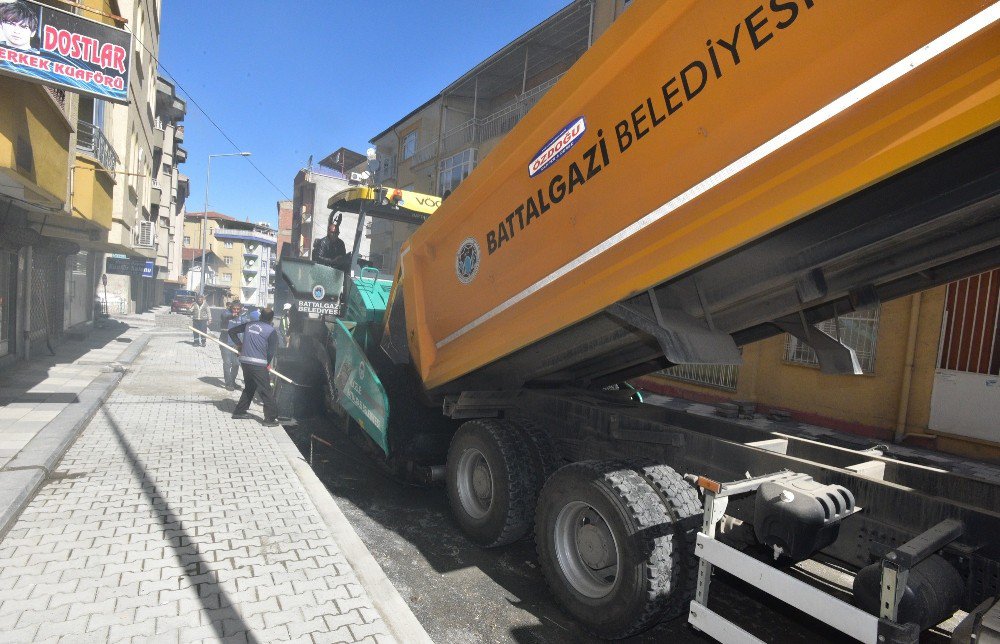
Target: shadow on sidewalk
{"points": [[189, 555], [20, 377]]}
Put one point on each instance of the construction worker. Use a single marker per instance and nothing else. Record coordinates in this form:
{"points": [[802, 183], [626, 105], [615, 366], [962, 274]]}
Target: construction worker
{"points": [[285, 325], [257, 347]]}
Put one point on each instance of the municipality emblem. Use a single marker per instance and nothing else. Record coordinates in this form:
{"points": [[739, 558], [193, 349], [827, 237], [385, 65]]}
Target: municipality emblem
{"points": [[467, 260], [319, 292]]}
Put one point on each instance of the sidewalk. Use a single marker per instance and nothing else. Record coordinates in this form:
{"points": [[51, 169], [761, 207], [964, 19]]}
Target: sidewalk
{"points": [[169, 521], [45, 403]]}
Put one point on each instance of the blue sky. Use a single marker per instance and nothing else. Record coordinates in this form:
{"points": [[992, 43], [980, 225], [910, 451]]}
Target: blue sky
{"points": [[288, 79]]}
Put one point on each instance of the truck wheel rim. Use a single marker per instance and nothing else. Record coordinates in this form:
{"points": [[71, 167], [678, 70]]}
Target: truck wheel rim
{"points": [[586, 550], [475, 483]]}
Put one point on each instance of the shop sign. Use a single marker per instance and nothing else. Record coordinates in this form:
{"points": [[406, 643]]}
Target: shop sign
{"points": [[125, 266], [49, 46]]}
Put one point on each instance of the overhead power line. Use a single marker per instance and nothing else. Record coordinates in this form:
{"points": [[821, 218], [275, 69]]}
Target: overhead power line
{"points": [[204, 113]]}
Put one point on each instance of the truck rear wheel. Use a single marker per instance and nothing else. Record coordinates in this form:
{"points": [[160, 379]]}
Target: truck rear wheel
{"points": [[543, 455], [608, 547], [492, 483], [686, 512]]}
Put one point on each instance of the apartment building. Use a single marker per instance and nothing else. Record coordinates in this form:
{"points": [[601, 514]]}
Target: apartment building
{"points": [[434, 147], [247, 254], [58, 174], [133, 283], [169, 190], [285, 221]]}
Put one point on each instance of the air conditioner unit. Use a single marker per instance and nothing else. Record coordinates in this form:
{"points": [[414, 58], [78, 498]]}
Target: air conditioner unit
{"points": [[145, 235]]}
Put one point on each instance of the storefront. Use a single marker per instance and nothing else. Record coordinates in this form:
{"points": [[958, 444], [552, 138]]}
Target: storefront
{"points": [[78, 303], [8, 301]]}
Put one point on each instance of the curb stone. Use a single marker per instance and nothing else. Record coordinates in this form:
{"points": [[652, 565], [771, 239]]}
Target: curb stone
{"points": [[395, 612], [24, 474]]}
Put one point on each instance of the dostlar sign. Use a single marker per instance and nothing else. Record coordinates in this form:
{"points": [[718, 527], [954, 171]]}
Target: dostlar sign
{"points": [[54, 47]]}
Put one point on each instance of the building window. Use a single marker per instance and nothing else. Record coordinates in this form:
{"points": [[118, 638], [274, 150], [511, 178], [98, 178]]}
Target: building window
{"points": [[409, 145], [228, 244], [971, 339], [227, 278], [455, 169], [187, 240], [228, 260], [858, 330]]}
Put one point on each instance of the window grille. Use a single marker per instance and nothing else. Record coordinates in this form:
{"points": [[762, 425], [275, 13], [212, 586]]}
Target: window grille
{"points": [[971, 339], [720, 376], [858, 330]]}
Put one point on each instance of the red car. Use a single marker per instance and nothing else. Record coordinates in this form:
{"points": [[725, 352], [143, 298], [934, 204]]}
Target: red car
{"points": [[182, 304]]}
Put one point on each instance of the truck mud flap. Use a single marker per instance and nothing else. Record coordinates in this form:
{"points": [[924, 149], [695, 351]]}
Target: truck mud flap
{"points": [[358, 390]]}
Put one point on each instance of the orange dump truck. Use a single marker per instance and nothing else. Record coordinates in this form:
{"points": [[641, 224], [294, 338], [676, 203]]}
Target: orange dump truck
{"points": [[707, 175]]}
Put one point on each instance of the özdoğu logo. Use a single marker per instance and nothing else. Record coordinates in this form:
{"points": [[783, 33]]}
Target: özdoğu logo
{"points": [[557, 146]]}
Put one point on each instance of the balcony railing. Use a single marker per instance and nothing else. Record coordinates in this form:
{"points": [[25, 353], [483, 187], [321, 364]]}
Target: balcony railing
{"points": [[245, 235], [90, 139], [477, 130], [460, 137], [425, 153]]}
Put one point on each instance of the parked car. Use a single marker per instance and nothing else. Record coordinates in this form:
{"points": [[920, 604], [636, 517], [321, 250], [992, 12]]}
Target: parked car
{"points": [[182, 304]]}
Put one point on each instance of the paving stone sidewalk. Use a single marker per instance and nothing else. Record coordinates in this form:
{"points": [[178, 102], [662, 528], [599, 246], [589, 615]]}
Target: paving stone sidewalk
{"points": [[169, 521], [33, 394]]}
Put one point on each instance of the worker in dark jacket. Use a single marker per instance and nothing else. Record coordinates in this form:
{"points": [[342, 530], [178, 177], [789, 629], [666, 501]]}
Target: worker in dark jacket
{"points": [[257, 347], [230, 361], [330, 250]]}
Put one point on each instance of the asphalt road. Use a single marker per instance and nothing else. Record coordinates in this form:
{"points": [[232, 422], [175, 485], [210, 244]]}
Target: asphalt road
{"points": [[462, 593]]}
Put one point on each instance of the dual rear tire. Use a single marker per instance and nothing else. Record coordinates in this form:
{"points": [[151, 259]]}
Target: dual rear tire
{"points": [[615, 540], [616, 544]]}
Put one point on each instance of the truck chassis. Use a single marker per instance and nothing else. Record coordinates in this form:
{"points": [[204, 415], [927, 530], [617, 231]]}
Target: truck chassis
{"points": [[561, 430]]}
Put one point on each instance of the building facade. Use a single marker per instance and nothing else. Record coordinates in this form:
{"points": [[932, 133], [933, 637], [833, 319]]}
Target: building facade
{"points": [[284, 226], [246, 252], [435, 147], [135, 231], [931, 366], [169, 190], [58, 175]]}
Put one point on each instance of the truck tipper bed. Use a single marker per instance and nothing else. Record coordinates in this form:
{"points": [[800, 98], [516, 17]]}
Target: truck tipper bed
{"points": [[705, 176]]}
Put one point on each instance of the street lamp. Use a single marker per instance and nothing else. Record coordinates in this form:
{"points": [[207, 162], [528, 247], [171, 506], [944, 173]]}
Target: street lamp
{"points": [[204, 223]]}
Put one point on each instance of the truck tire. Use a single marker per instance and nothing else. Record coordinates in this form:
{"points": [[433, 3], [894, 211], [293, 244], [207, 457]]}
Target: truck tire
{"points": [[606, 547], [686, 513], [492, 484], [543, 455]]}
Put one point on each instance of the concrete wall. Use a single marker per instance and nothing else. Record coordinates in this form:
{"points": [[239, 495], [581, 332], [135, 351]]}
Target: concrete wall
{"points": [[29, 116]]}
